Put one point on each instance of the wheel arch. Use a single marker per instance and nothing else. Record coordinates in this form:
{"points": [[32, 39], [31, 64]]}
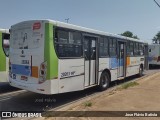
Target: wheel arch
{"points": [[107, 71]]}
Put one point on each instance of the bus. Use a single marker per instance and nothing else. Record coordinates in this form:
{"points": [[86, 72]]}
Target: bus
{"points": [[154, 55], [51, 57], [4, 52]]}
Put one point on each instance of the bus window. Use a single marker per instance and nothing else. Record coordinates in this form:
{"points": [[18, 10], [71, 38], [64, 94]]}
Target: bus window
{"points": [[106, 47], [6, 38], [86, 49], [128, 48], [131, 48], [75, 40], [63, 37], [141, 47], [68, 44], [136, 49], [112, 47], [101, 47]]}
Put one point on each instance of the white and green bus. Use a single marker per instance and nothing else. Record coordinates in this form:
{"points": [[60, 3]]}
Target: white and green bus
{"points": [[4, 50], [51, 57]]}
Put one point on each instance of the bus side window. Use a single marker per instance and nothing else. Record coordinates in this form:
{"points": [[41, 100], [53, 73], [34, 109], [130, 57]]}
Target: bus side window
{"points": [[101, 47], [112, 47], [106, 47], [136, 49], [68, 43], [75, 39], [86, 50], [131, 48], [141, 47], [61, 39], [6, 38], [128, 48]]}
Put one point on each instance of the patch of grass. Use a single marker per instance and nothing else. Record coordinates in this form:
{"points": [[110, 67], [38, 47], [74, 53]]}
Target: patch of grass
{"points": [[111, 93], [88, 104], [129, 84]]}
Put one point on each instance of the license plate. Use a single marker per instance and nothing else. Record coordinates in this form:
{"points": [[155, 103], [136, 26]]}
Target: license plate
{"points": [[24, 78]]}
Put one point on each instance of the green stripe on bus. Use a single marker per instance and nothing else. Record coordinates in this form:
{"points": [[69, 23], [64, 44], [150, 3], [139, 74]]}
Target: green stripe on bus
{"points": [[49, 53], [2, 56]]}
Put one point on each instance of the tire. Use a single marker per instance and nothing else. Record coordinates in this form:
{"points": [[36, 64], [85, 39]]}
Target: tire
{"points": [[140, 71], [104, 81]]}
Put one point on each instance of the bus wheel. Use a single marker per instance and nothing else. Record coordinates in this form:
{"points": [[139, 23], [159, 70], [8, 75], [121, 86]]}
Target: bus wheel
{"points": [[140, 71], [104, 81]]}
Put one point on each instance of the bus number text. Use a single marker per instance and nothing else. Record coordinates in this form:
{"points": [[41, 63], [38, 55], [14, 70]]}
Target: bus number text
{"points": [[67, 74], [25, 61]]}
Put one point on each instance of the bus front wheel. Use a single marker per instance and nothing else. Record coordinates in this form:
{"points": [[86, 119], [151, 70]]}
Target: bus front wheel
{"points": [[104, 81]]}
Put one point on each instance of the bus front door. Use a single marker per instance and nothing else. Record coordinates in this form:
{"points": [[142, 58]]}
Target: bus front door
{"points": [[90, 56], [121, 59]]}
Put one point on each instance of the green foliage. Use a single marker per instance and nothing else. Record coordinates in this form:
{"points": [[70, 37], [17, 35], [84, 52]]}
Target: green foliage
{"points": [[135, 36], [129, 84], [88, 104], [156, 38], [129, 34]]}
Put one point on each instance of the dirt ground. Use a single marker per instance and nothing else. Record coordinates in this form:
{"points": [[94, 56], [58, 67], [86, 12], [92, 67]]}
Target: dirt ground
{"points": [[142, 97]]}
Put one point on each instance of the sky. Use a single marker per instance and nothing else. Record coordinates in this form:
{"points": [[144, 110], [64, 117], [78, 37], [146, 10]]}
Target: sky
{"points": [[142, 17]]}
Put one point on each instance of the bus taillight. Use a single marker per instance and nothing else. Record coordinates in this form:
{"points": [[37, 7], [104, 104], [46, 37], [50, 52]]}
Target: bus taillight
{"points": [[43, 72]]}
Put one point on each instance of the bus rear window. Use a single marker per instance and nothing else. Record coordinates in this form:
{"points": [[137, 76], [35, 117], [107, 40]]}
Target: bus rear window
{"points": [[27, 35], [26, 38]]}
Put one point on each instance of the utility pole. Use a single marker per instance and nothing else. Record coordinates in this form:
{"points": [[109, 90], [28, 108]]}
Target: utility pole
{"points": [[157, 3], [67, 19]]}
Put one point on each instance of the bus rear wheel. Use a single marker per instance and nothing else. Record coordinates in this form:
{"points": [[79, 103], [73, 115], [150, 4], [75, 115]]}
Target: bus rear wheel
{"points": [[104, 81]]}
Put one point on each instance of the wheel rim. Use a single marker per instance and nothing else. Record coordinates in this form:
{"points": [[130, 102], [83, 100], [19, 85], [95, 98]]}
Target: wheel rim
{"points": [[104, 81]]}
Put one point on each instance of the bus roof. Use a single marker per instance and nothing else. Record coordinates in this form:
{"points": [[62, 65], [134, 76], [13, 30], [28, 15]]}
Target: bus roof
{"points": [[84, 29], [154, 44], [4, 30], [71, 26]]}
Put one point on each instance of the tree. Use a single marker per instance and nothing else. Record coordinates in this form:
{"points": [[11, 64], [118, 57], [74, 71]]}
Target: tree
{"points": [[156, 38], [135, 36], [129, 34]]}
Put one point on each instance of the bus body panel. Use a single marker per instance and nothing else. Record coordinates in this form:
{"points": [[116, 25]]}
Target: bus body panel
{"points": [[71, 75], [154, 54], [3, 58], [103, 64], [50, 56], [27, 56], [37, 88], [133, 65]]}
